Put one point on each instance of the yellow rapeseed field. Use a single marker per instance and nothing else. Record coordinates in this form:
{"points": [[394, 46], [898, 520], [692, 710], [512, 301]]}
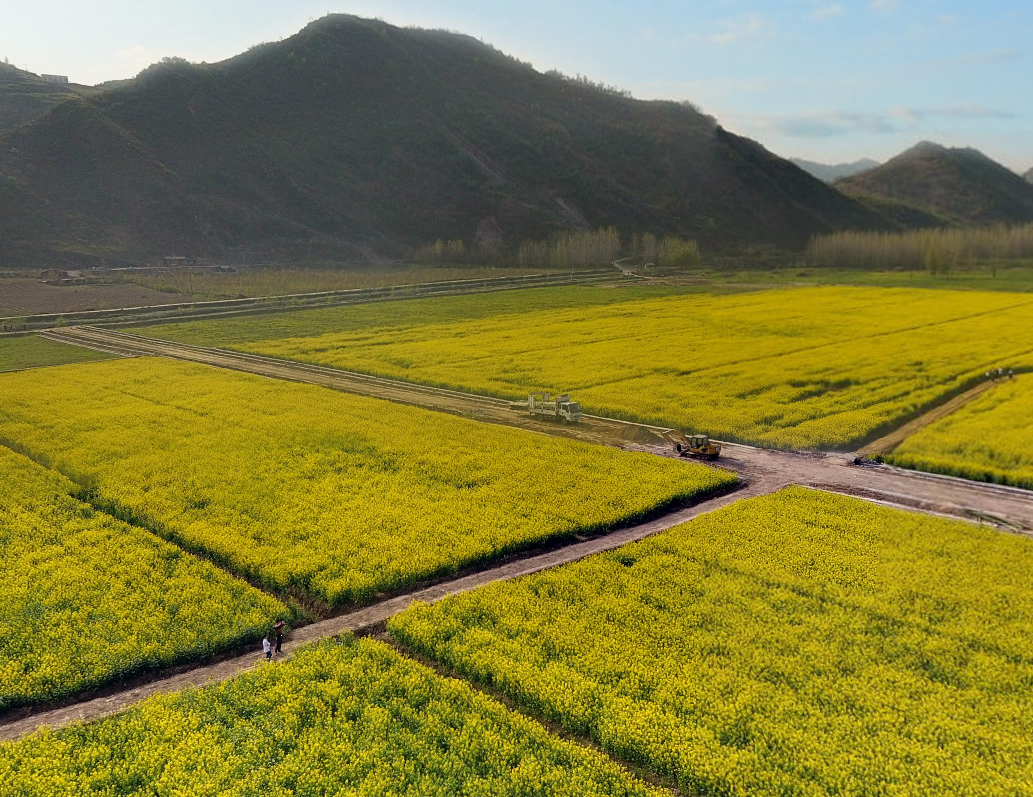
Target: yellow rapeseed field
{"points": [[340, 718], [989, 439], [85, 598], [796, 644], [806, 368], [303, 488]]}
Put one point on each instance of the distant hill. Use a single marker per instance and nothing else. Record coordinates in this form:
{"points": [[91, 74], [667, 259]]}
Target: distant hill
{"points": [[960, 186], [354, 137], [25, 95], [1029, 176], [831, 172]]}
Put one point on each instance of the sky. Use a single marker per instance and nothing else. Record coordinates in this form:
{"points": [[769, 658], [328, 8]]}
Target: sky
{"points": [[826, 80]]}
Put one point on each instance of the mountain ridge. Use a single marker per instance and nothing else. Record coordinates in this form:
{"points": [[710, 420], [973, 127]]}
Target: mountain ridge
{"points": [[354, 137], [830, 172], [958, 185]]}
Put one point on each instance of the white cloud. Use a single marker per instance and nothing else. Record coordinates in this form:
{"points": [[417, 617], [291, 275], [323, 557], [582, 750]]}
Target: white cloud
{"points": [[830, 124], [916, 115], [739, 28], [884, 5], [827, 12]]}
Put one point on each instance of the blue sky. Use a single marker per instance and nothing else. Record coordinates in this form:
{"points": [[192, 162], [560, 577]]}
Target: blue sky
{"points": [[830, 80]]}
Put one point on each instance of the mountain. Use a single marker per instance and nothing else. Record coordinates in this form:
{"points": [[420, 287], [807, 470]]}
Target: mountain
{"points": [[961, 186], [831, 172], [355, 137], [1029, 176]]}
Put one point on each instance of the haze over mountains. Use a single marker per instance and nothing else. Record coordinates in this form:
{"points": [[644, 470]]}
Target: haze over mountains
{"points": [[954, 185], [354, 137], [830, 172]]}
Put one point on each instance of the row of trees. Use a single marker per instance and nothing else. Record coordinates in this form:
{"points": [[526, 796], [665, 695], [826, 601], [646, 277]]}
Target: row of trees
{"points": [[571, 250], [440, 251], [938, 251], [581, 249], [668, 252]]}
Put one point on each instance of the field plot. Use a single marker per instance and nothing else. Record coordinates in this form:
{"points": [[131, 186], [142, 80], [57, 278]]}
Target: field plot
{"points": [[340, 718], [313, 491], [33, 352], [990, 439], [800, 643], [86, 598], [22, 297], [814, 367]]}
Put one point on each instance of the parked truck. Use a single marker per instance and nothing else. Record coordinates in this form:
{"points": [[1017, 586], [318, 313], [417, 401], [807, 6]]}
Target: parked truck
{"points": [[560, 408]]}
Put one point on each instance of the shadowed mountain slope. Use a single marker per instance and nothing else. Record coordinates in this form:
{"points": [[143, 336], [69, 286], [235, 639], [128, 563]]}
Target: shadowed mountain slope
{"points": [[961, 186], [354, 137]]}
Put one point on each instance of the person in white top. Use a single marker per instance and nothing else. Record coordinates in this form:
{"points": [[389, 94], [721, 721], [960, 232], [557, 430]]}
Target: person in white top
{"points": [[267, 648]]}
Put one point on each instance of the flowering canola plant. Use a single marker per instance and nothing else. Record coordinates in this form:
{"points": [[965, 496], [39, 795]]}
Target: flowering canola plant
{"points": [[807, 368], [86, 598], [309, 490], [800, 643], [989, 439], [350, 717]]}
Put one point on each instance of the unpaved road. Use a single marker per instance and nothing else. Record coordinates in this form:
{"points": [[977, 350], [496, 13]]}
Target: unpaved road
{"points": [[886, 444], [367, 618], [762, 470], [1012, 508]]}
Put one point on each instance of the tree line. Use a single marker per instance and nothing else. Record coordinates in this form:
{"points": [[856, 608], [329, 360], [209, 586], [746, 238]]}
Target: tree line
{"points": [[938, 251], [576, 249]]}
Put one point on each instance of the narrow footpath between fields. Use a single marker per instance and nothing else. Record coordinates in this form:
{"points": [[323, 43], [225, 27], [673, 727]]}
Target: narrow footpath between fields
{"points": [[886, 444], [371, 617]]}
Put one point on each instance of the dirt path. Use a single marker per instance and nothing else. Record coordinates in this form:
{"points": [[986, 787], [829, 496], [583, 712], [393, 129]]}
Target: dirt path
{"points": [[1005, 506], [369, 618], [763, 471], [1008, 507], [884, 445]]}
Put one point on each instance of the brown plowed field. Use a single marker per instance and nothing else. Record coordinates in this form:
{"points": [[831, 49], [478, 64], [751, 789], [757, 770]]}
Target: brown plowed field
{"points": [[22, 297]]}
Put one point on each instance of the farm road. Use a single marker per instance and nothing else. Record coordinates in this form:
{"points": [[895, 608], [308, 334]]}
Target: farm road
{"points": [[1006, 507], [762, 470], [368, 618]]}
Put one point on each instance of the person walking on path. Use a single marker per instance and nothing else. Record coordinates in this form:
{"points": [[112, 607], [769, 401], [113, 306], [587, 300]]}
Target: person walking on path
{"points": [[278, 629], [267, 648]]}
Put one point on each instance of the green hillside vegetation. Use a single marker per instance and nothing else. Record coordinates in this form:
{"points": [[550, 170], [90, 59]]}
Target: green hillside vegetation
{"points": [[354, 137], [24, 96], [960, 186]]}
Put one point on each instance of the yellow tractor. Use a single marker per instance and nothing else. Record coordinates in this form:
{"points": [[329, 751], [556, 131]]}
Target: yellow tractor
{"points": [[699, 445]]}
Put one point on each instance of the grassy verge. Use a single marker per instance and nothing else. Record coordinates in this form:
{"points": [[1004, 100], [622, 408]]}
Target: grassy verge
{"points": [[31, 351]]}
